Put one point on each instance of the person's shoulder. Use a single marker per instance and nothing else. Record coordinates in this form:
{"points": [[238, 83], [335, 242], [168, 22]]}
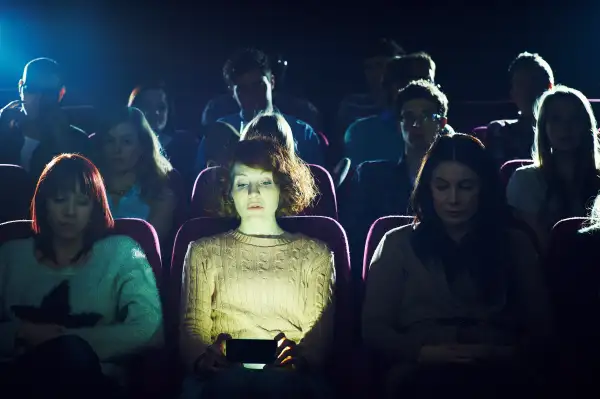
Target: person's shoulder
{"points": [[399, 234], [370, 168], [18, 246], [296, 123], [313, 246], [362, 122], [76, 131], [527, 172], [119, 245], [232, 119], [212, 244]]}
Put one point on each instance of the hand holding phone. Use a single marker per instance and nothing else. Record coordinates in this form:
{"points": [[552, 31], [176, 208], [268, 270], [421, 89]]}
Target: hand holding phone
{"points": [[213, 359]]}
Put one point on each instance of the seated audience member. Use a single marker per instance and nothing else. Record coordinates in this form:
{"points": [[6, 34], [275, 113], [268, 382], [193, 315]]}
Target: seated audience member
{"points": [[34, 129], [575, 283], [273, 126], [381, 188], [530, 77], [135, 171], [374, 101], [281, 287], [76, 303], [564, 176], [376, 137], [181, 147], [249, 76], [299, 108], [457, 296]]}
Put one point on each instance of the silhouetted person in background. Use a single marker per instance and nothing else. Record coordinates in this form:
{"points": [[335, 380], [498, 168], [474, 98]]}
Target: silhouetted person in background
{"points": [[564, 177], [34, 129], [249, 77], [530, 77], [181, 146], [374, 100], [377, 137], [299, 108], [381, 188]]}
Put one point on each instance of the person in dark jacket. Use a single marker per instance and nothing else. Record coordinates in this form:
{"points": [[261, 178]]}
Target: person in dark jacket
{"points": [[34, 128]]}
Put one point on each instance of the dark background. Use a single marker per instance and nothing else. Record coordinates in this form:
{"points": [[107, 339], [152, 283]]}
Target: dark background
{"points": [[106, 47]]}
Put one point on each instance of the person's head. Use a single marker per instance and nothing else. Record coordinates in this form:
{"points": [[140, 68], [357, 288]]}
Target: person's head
{"points": [[153, 101], [376, 56], [248, 75], [421, 109], [263, 180], [566, 124], [530, 76], [270, 125], [457, 184], [128, 144], [41, 84], [69, 204], [400, 71]]}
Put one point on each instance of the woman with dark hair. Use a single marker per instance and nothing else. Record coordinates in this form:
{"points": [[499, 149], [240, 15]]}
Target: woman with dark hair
{"points": [[180, 146], [564, 176], [458, 288], [135, 171], [258, 282], [75, 303]]}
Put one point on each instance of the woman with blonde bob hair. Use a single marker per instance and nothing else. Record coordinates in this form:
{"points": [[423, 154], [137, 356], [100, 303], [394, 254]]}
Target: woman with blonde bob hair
{"points": [[566, 155], [135, 170], [258, 281]]}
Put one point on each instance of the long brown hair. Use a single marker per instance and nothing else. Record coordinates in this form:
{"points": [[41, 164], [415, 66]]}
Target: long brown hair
{"points": [[63, 174], [153, 168]]}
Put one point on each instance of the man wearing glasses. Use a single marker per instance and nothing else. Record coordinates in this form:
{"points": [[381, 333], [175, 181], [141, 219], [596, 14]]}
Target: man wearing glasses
{"points": [[34, 128], [376, 137], [382, 188]]}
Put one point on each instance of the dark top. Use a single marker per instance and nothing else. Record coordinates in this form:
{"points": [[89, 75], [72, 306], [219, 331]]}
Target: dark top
{"points": [[74, 140]]}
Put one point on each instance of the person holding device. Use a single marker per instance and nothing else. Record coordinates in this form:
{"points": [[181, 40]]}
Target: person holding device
{"points": [[35, 128], [258, 283]]}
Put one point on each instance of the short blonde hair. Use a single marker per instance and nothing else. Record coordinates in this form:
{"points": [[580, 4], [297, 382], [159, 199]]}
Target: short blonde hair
{"points": [[270, 125]]}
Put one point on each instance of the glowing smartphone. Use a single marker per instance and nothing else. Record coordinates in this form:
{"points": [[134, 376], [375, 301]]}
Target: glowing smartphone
{"points": [[251, 351]]}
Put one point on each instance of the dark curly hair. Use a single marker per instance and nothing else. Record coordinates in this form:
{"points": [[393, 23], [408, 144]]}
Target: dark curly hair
{"points": [[243, 61], [293, 177]]}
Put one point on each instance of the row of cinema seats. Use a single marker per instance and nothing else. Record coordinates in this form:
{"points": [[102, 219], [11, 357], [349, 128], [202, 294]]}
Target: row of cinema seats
{"points": [[14, 203], [348, 300]]}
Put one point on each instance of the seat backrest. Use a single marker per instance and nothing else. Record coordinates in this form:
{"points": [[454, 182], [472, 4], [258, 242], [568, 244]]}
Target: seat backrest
{"points": [[481, 133], [507, 170], [321, 228], [139, 230], [376, 233], [16, 192], [206, 194]]}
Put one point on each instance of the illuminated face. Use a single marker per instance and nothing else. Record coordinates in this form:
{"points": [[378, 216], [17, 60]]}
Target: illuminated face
{"points": [[69, 213], [253, 92], [420, 123], [254, 193], [455, 190], [565, 126], [153, 103], [122, 148]]}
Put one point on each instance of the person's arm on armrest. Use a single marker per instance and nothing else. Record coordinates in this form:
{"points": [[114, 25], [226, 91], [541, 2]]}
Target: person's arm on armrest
{"points": [[196, 293], [380, 311], [139, 300], [319, 310]]}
